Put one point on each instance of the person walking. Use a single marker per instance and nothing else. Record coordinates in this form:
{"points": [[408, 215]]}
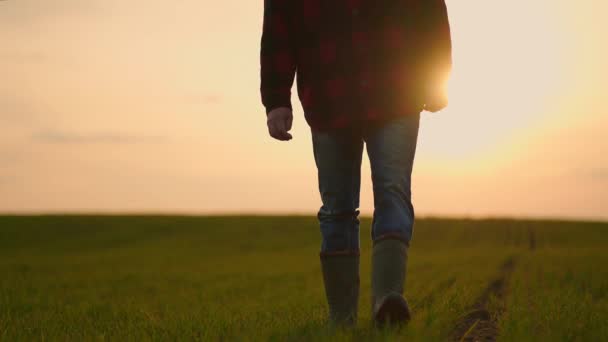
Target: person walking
{"points": [[365, 72]]}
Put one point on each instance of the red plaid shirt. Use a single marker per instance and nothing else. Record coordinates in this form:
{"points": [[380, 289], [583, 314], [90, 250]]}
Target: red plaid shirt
{"points": [[359, 62]]}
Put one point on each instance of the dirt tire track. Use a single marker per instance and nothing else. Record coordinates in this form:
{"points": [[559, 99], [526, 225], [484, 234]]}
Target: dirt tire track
{"points": [[479, 324]]}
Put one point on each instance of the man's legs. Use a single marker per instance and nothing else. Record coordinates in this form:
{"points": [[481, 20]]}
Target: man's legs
{"points": [[338, 159], [391, 149]]}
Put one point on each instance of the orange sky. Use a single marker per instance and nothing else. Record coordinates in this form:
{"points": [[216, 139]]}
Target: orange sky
{"points": [[154, 106]]}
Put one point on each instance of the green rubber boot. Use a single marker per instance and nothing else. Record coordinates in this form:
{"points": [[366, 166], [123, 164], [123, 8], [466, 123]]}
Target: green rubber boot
{"points": [[341, 281], [389, 267]]}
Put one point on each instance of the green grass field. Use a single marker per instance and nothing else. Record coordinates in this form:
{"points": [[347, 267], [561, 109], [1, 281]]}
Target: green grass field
{"points": [[258, 278]]}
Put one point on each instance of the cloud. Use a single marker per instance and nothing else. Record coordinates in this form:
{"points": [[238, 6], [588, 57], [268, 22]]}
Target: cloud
{"points": [[16, 111], [23, 12], [23, 56], [8, 158], [590, 173], [62, 137], [599, 174]]}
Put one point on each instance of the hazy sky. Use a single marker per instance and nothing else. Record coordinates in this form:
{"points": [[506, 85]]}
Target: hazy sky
{"points": [[113, 105]]}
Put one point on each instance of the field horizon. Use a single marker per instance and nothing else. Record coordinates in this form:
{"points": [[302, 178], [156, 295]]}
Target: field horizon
{"points": [[257, 277], [244, 214]]}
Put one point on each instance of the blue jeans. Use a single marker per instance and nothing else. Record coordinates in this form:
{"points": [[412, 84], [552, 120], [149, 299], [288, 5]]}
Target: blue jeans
{"points": [[391, 149]]}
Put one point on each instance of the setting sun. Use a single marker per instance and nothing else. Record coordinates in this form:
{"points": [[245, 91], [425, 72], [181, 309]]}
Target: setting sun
{"points": [[506, 75]]}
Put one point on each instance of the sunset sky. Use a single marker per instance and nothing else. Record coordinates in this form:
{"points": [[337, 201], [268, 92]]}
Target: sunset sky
{"points": [[154, 106]]}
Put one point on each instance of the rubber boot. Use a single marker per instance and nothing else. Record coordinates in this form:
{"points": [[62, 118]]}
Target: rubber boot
{"points": [[389, 267], [341, 281]]}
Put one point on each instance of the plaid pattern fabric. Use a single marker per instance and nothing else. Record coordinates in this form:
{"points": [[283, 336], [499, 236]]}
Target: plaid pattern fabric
{"points": [[358, 62]]}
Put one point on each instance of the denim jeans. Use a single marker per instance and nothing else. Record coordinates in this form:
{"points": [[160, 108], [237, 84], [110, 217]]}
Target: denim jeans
{"points": [[391, 149]]}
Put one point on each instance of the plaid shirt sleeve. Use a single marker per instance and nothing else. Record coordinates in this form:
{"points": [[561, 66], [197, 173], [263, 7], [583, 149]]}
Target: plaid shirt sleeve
{"points": [[438, 43], [277, 55]]}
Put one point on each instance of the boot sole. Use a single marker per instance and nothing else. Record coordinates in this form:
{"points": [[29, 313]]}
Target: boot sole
{"points": [[393, 310]]}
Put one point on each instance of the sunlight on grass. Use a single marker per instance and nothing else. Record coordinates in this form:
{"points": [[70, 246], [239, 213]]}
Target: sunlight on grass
{"points": [[258, 278]]}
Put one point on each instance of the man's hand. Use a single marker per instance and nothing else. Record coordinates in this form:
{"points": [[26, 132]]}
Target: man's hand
{"points": [[279, 122], [436, 102], [436, 96]]}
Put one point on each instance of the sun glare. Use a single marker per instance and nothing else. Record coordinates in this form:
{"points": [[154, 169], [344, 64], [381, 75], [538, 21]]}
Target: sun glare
{"points": [[504, 75]]}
